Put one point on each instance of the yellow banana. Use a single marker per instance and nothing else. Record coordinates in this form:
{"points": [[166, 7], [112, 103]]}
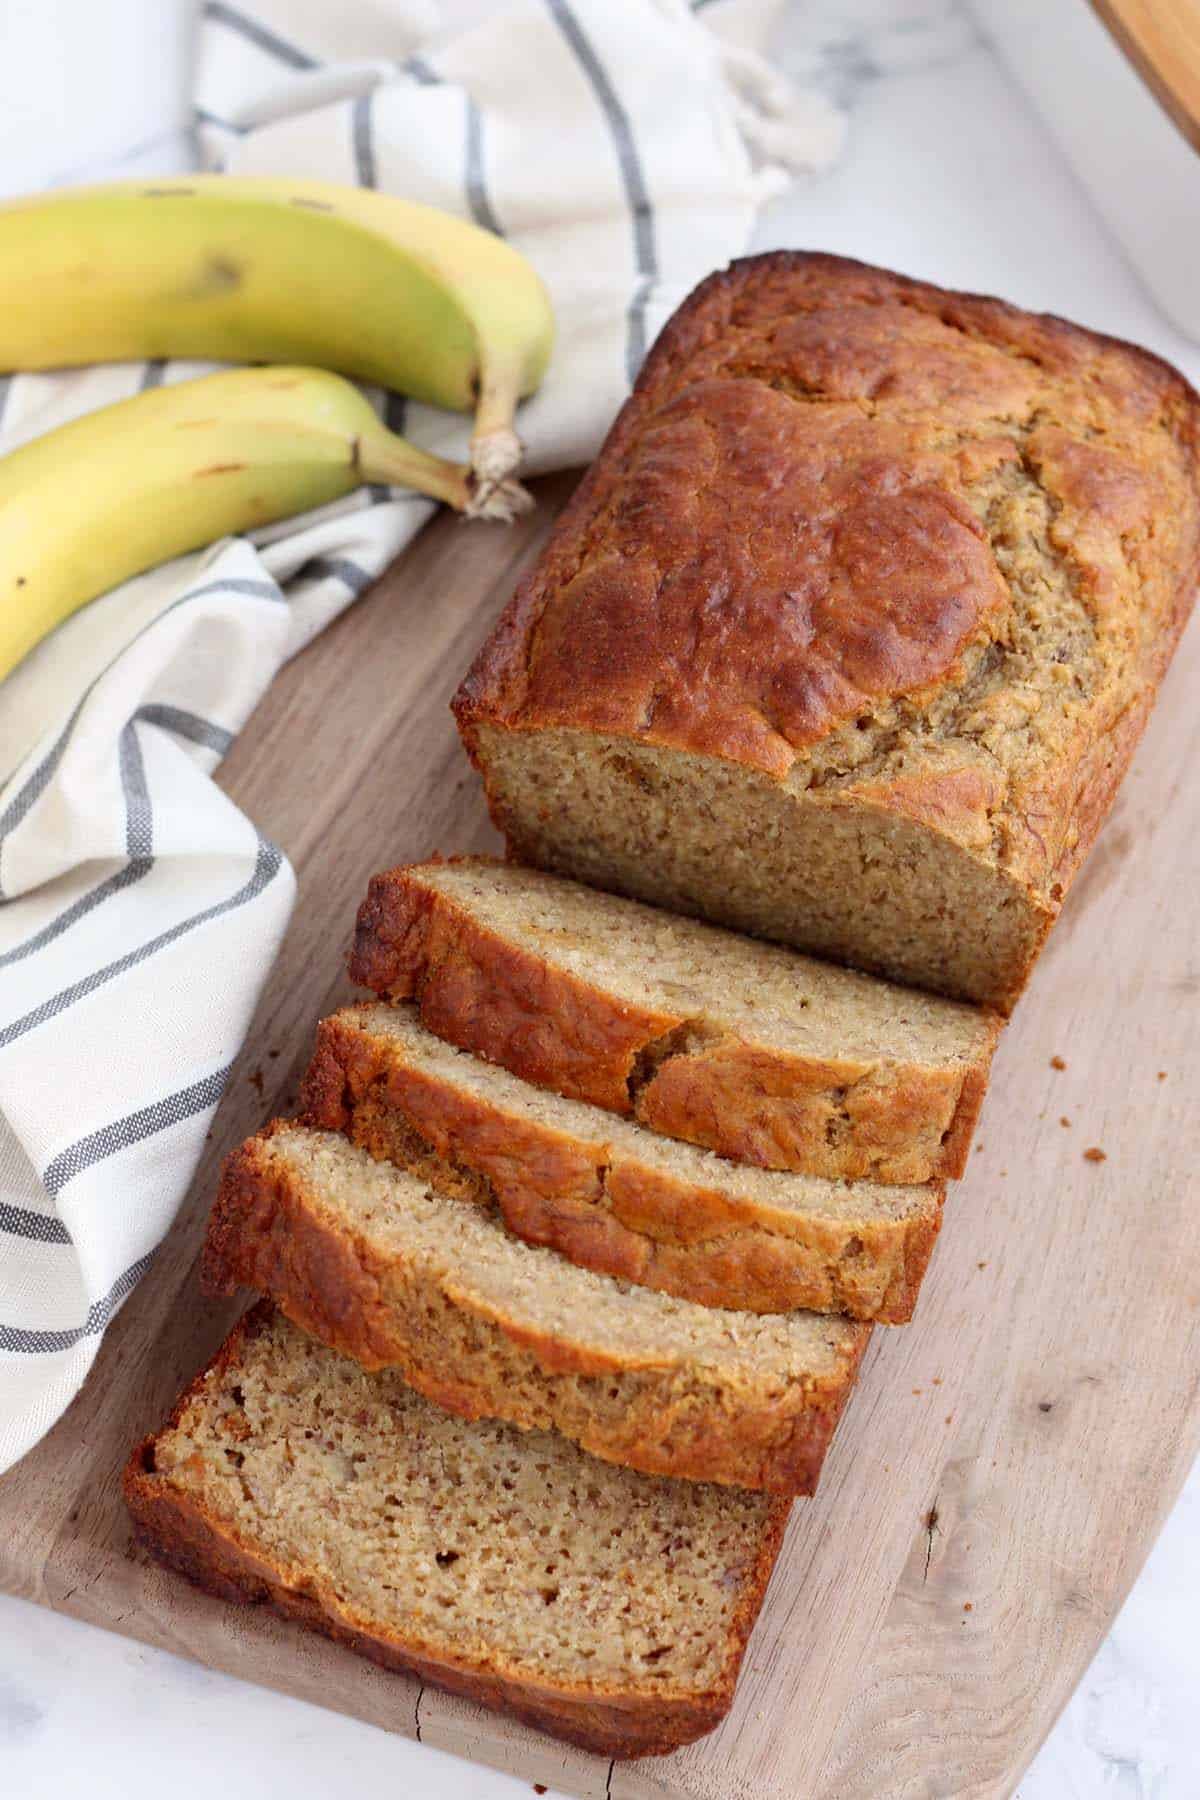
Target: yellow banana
{"points": [[130, 485], [258, 269]]}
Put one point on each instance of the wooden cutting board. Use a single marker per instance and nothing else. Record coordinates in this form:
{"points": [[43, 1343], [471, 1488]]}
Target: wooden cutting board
{"points": [[1009, 1457]]}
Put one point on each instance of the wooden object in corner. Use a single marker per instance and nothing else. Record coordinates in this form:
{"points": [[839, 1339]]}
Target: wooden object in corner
{"points": [[1161, 38]]}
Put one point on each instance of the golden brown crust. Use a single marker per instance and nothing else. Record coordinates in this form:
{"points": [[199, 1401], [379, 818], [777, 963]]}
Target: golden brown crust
{"points": [[487, 994], [268, 1233], [900, 586], [599, 1205], [844, 1118], [962, 1130], [187, 1537], [797, 528]]}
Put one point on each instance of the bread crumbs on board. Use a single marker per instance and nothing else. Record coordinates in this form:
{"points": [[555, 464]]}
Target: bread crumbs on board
{"points": [[1056, 1062], [1095, 1154]]}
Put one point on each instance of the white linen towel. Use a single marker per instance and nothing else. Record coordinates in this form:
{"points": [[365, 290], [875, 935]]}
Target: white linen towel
{"points": [[610, 140]]}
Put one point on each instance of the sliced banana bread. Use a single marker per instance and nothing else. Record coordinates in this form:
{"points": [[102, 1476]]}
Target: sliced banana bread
{"points": [[849, 633], [608, 1193], [746, 1048], [383, 1268], [603, 1606]]}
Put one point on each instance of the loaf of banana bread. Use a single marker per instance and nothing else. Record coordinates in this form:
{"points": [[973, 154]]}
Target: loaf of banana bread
{"points": [[848, 636]]}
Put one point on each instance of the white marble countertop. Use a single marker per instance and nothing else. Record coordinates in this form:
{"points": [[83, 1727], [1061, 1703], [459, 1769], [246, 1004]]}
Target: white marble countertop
{"points": [[950, 175]]}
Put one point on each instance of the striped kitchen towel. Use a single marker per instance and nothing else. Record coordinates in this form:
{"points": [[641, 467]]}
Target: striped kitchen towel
{"points": [[625, 146]]}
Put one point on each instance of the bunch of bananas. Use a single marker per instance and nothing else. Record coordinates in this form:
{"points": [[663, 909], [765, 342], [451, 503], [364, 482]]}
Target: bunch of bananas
{"points": [[307, 275]]}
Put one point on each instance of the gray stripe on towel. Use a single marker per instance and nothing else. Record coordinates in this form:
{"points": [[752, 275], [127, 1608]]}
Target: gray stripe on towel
{"points": [[257, 33], [17, 1337], [645, 253], [147, 1122]]}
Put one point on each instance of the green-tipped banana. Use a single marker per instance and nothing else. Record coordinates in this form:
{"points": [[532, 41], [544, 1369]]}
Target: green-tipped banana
{"points": [[87, 506], [248, 269]]}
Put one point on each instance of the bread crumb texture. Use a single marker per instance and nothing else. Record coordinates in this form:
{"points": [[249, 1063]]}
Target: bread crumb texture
{"points": [[474, 1545]]}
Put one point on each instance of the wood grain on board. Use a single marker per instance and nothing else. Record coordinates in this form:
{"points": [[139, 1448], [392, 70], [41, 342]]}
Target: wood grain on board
{"points": [[1008, 1458]]}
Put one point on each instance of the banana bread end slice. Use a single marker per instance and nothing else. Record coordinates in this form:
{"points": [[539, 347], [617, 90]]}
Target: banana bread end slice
{"points": [[605, 1607]]}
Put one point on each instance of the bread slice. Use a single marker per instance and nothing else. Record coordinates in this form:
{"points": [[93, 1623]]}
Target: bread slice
{"points": [[608, 1193], [381, 1267], [746, 1048], [603, 1606]]}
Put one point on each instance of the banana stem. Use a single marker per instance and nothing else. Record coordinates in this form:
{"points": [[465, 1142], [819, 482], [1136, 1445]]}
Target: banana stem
{"points": [[383, 456], [495, 447]]}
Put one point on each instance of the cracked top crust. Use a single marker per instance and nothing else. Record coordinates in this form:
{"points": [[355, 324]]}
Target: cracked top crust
{"points": [[867, 537]]}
